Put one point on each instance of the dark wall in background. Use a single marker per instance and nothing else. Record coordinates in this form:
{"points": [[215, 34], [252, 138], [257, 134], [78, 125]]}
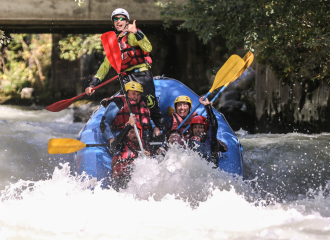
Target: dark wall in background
{"points": [[177, 54], [283, 107]]}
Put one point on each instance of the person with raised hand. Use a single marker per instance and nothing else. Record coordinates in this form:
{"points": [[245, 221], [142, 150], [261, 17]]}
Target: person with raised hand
{"points": [[182, 107], [204, 131], [136, 63]]}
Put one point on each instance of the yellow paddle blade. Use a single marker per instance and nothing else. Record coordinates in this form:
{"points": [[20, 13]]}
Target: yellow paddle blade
{"points": [[248, 59], [228, 71], [169, 111], [64, 145]]}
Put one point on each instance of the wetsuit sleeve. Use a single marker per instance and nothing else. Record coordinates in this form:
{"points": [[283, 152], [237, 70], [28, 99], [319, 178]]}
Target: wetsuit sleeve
{"points": [[139, 39], [157, 119], [215, 144], [212, 133], [108, 117], [168, 126], [104, 69], [117, 143], [203, 150]]}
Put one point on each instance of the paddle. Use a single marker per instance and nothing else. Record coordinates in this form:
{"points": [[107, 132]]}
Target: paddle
{"points": [[248, 59], [226, 73], [68, 145], [63, 104], [113, 53]]}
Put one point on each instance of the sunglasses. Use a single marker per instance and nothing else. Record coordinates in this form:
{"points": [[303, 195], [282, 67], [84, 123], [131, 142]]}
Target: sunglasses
{"points": [[119, 18]]}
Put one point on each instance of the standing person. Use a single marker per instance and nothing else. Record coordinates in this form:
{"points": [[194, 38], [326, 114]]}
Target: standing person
{"points": [[125, 149], [182, 106], [136, 62], [116, 114]]}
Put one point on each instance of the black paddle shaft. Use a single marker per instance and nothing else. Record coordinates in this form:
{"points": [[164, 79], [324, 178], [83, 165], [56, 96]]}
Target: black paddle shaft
{"points": [[105, 145], [125, 93], [97, 145]]}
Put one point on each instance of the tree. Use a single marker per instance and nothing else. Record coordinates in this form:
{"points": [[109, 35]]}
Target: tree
{"points": [[25, 62], [3, 39], [74, 46], [292, 36]]}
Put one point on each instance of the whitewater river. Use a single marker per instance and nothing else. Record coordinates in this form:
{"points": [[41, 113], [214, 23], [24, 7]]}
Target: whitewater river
{"points": [[285, 196]]}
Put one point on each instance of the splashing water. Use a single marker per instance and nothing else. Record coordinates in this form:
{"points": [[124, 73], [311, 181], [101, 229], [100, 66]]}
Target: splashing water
{"points": [[176, 197], [65, 207]]}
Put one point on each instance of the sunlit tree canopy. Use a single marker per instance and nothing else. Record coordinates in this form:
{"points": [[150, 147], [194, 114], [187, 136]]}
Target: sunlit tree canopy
{"points": [[293, 36], [25, 62]]}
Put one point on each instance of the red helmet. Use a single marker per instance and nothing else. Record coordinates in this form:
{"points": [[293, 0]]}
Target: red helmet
{"points": [[200, 120]]}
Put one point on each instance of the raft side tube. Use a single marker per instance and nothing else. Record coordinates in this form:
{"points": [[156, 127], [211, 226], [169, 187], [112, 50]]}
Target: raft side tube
{"points": [[96, 161]]}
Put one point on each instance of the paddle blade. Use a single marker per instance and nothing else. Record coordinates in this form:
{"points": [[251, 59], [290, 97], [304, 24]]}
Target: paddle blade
{"points": [[248, 59], [228, 71], [59, 106], [112, 50], [64, 145], [169, 111]]}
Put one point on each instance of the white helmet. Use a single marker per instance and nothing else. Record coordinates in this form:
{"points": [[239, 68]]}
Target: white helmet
{"points": [[119, 11]]}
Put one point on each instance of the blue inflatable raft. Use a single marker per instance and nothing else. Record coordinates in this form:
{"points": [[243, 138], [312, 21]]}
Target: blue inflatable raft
{"points": [[96, 161]]}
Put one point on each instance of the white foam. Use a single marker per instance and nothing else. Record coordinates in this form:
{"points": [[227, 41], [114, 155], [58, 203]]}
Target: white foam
{"points": [[64, 207], [20, 114]]}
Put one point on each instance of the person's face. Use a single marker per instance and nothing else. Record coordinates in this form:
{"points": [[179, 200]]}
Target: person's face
{"points": [[174, 137], [120, 22], [134, 95], [132, 136], [198, 129], [182, 109]]}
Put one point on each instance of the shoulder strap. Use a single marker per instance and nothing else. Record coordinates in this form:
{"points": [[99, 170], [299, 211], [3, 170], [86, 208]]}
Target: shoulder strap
{"points": [[177, 119]]}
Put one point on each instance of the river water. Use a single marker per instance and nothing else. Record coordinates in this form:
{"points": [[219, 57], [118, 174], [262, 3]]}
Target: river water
{"points": [[285, 194]]}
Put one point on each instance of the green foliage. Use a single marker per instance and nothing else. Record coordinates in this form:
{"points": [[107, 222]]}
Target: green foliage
{"points": [[3, 39], [79, 2], [25, 62], [74, 46], [293, 36]]}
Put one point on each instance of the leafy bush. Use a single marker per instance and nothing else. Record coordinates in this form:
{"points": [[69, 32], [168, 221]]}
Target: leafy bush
{"points": [[74, 46], [25, 62]]}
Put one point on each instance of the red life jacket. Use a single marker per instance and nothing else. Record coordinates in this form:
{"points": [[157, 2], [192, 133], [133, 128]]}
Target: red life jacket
{"points": [[140, 110], [177, 120], [121, 163], [130, 55]]}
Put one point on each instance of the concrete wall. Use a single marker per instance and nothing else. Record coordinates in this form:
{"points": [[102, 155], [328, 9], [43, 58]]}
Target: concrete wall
{"points": [[65, 15], [69, 9]]}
